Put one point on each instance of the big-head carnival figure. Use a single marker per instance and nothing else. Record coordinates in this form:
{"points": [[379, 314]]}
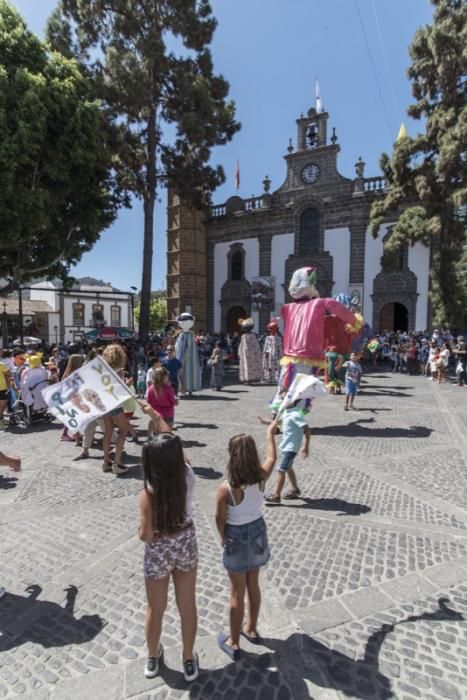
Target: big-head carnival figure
{"points": [[304, 327], [187, 352]]}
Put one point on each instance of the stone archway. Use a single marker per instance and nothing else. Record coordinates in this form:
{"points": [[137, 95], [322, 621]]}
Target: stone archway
{"points": [[398, 289], [233, 316], [394, 316]]}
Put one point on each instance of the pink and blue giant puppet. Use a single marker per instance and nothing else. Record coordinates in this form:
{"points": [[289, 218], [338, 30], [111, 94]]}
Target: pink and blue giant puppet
{"points": [[304, 328]]}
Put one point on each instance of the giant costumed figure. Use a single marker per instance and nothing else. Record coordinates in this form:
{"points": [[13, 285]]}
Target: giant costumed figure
{"points": [[272, 353], [304, 328], [187, 352], [249, 353]]}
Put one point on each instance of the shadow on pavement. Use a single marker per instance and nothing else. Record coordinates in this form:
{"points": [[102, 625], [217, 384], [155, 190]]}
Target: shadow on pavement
{"points": [[7, 482], [207, 397], [280, 673], [208, 426], [193, 443], [356, 429], [207, 472], [334, 504], [51, 626]]}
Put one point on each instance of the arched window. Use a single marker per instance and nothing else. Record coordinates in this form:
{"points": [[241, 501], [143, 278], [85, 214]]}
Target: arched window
{"points": [[236, 265], [308, 240]]}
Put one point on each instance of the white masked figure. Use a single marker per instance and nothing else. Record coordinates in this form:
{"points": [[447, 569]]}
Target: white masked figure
{"points": [[187, 352]]}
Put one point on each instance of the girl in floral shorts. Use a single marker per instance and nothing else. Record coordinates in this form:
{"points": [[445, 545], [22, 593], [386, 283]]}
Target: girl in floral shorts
{"points": [[171, 550]]}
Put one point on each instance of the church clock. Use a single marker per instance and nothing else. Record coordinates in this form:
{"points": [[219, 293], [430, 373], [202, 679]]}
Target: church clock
{"points": [[310, 173]]}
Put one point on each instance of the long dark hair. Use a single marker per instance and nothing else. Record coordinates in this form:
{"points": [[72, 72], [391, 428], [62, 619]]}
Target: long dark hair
{"points": [[165, 480], [244, 467]]}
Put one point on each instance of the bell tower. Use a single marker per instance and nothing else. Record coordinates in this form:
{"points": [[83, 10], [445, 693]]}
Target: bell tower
{"points": [[186, 261], [312, 130]]}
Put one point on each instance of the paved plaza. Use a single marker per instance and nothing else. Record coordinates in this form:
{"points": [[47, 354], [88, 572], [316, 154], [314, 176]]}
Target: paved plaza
{"points": [[365, 595]]}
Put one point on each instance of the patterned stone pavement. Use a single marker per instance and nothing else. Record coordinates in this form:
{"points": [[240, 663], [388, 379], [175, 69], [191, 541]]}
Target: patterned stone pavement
{"points": [[365, 595]]}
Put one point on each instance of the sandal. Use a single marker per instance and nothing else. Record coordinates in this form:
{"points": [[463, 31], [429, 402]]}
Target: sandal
{"points": [[106, 466], [252, 638], [273, 499], [295, 493], [222, 639]]}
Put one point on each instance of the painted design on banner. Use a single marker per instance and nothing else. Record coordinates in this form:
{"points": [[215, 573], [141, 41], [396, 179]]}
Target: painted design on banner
{"points": [[88, 393]]}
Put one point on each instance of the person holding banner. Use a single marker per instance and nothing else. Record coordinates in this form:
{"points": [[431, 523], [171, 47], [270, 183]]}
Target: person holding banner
{"points": [[294, 430], [243, 533], [115, 357]]}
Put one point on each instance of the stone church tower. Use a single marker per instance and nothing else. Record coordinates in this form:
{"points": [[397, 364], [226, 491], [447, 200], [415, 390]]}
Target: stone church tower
{"points": [[186, 262], [224, 262]]}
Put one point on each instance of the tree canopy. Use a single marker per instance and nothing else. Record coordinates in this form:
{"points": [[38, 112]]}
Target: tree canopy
{"points": [[56, 190], [157, 312], [151, 64], [427, 174]]}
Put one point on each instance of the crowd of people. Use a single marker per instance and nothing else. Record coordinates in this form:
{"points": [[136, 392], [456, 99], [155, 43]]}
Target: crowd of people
{"points": [[155, 377], [436, 355]]}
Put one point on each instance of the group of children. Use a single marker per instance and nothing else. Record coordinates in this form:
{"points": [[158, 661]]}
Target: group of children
{"points": [[167, 528]]}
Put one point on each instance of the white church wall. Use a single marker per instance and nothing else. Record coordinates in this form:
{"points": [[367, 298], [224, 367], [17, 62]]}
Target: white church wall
{"points": [[282, 246], [373, 255], [419, 263], [221, 251], [337, 243]]}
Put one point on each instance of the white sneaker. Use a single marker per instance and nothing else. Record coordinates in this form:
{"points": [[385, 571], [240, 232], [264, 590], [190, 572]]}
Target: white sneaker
{"points": [[191, 668], [2, 591], [152, 664]]}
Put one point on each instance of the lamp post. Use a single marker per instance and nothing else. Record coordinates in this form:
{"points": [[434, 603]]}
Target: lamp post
{"points": [[135, 289], [56, 334], [4, 326]]}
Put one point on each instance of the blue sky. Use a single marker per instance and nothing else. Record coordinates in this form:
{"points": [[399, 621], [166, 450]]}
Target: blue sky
{"points": [[271, 51]]}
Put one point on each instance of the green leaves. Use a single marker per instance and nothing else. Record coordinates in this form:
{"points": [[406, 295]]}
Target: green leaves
{"points": [[56, 190], [150, 63], [427, 174]]}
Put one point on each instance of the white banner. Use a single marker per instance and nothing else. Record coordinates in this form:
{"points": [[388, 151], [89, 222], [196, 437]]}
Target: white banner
{"points": [[88, 393], [304, 386]]}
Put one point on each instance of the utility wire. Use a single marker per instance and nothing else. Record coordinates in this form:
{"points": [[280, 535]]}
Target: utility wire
{"points": [[395, 101], [391, 133]]}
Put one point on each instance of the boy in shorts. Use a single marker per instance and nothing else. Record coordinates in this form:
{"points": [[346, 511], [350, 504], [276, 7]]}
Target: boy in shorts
{"points": [[294, 429], [352, 380]]}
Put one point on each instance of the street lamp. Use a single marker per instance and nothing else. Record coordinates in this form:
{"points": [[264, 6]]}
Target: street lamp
{"points": [[135, 289], [56, 332]]}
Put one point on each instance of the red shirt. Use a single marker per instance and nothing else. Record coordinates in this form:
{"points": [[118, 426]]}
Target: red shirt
{"points": [[163, 403]]}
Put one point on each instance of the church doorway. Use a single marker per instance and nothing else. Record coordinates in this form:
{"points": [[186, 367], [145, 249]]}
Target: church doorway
{"points": [[233, 316], [394, 317]]}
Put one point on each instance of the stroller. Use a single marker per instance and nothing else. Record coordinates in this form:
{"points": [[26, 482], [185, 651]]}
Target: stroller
{"points": [[24, 416]]}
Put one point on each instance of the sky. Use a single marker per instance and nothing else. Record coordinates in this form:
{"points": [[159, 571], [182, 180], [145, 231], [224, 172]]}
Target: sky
{"points": [[271, 52]]}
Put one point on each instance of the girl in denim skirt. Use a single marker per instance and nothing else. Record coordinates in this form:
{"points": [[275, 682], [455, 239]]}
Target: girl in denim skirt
{"points": [[243, 534]]}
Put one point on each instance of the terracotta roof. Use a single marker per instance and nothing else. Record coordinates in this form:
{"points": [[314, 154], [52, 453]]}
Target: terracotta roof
{"points": [[29, 307]]}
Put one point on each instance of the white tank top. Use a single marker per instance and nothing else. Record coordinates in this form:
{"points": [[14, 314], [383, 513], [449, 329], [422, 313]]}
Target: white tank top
{"points": [[249, 509]]}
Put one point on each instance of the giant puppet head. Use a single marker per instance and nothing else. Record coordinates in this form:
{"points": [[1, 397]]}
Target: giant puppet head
{"points": [[246, 324], [273, 327], [303, 284], [186, 321]]}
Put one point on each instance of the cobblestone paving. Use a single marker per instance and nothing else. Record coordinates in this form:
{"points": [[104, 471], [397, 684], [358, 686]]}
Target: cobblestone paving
{"points": [[365, 595]]}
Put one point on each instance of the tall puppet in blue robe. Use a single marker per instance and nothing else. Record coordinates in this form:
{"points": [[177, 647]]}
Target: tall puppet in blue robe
{"points": [[187, 352]]}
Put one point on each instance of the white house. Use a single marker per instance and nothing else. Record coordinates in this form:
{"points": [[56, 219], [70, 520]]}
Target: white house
{"points": [[90, 305]]}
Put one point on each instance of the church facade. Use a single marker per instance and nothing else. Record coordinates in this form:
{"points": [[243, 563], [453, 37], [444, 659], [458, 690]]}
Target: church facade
{"points": [[236, 260]]}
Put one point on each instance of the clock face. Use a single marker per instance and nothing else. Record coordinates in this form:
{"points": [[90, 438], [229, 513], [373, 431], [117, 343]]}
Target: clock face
{"points": [[310, 173]]}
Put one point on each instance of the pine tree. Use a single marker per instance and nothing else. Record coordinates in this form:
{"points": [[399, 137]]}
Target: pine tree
{"points": [[57, 193], [168, 104], [426, 175]]}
